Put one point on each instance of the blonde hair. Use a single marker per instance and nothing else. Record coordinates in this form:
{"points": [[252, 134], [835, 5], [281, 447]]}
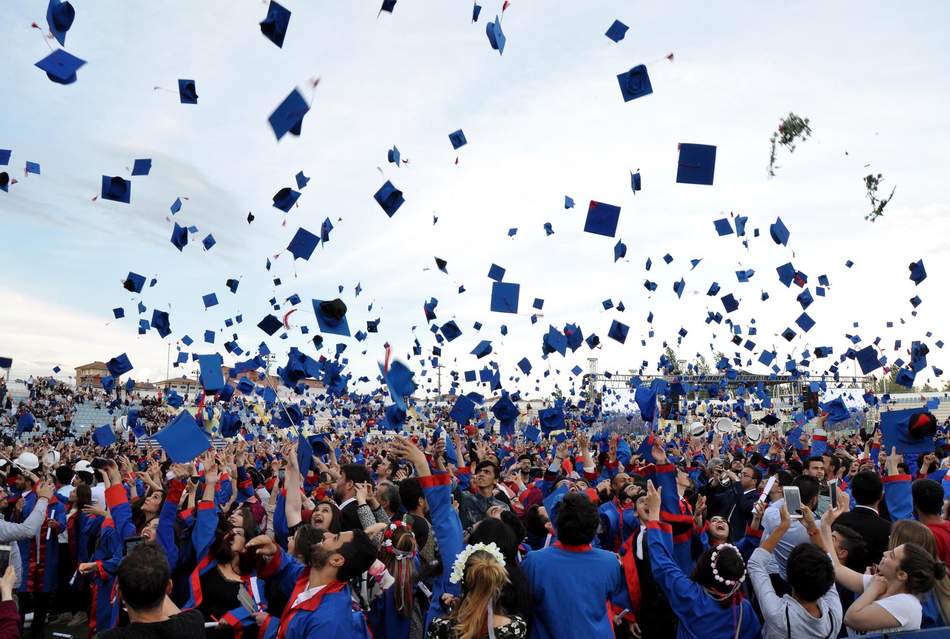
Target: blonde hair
{"points": [[912, 531], [483, 583]]}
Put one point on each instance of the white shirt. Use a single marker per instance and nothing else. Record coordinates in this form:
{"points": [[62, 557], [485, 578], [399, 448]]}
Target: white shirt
{"points": [[309, 593], [904, 607]]}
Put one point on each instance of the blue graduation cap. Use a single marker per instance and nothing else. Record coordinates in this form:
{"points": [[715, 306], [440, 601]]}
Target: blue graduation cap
{"points": [[208, 242], [60, 66], [551, 419], [211, 377], [679, 287], [176, 206], [463, 410], [5, 156], [116, 189], [635, 83], [285, 199], [476, 10], [617, 31], [909, 430], [697, 164], [532, 434], [331, 316], [270, 324], [288, 117], [729, 302], [118, 312], [618, 331], [232, 284], [160, 322], [778, 232], [303, 244], [525, 366], [183, 439], [495, 35], [209, 300], [917, 272], [450, 330], [187, 92], [805, 322], [59, 18], [133, 282], [635, 181], [103, 436], [209, 337], [274, 28], [602, 219], [620, 250], [496, 273], [389, 198], [457, 139], [179, 237], [119, 365], [393, 156], [141, 167], [482, 349], [568, 202], [504, 297], [25, 421], [723, 226], [645, 398]]}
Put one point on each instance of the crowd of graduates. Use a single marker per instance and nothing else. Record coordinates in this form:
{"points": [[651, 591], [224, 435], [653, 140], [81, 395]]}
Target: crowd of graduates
{"points": [[450, 532]]}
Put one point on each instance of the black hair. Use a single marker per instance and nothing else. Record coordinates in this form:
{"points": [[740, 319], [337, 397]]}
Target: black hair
{"points": [[928, 497], [810, 572], [757, 474], [577, 520], [516, 594], [305, 538], [410, 493], [808, 488], [64, 475], [355, 473], [855, 544], [729, 566], [921, 568], [813, 459], [358, 555], [390, 494], [867, 488], [144, 577], [485, 463], [535, 522]]}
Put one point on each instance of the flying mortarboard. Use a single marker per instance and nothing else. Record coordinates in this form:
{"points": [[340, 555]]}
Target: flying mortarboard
{"points": [[617, 31], [141, 167], [208, 242], [187, 92], [183, 439], [133, 282], [269, 324], [209, 300], [476, 9], [60, 66], [160, 322], [778, 232], [697, 164], [288, 116], [482, 349], [59, 18], [457, 139], [635, 83], [104, 436], [116, 189], [179, 237], [504, 297], [285, 198], [495, 35], [620, 250], [618, 331], [274, 24], [917, 272], [723, 226], [331, 316], [602, 219], [678, 287], [119, 365], [389, 198], [450, 330], [303, 244], [211, 378]]}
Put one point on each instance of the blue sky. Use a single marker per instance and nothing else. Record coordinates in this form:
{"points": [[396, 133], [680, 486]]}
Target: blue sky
{"points": [[544, 120]]}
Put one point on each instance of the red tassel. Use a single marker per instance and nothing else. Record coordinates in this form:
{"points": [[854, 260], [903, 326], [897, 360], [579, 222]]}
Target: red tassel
{"points": [[505, 6], [669, 56]]}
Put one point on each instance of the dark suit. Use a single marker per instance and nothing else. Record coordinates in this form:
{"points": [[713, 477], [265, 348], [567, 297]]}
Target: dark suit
{"points": [[735, 505], [349, 519], [875, 529]]}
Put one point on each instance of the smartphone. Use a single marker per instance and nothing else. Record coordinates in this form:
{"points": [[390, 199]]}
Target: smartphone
{"points": [[129, 543], [833, 487], [4, 557], [793, 501]]}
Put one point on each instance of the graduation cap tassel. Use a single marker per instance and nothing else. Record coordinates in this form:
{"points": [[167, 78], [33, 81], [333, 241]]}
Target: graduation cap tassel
{"points": [[46, 36]]}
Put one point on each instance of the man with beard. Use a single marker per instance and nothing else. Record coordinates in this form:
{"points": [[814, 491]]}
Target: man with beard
{"points": [[320, 597]]}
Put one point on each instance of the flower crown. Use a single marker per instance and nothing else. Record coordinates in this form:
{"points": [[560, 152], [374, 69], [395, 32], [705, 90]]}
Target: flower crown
{"points": [[388, 540], [458, 568], [732, 583]]}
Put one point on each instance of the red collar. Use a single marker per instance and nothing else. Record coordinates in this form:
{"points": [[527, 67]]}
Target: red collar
{"points": [[583, 548]]}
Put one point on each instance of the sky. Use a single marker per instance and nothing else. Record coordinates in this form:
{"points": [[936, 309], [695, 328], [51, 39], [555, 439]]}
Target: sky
{"points": [[543, 120]]}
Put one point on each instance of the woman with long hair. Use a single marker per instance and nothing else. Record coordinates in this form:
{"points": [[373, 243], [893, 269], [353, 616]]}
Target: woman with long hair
{"points": [[394, 612], [936, 605], [516, 595], [709, 603], [481, 571], [890, 600]]}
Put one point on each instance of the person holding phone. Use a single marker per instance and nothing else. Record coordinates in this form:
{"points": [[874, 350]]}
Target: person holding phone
{"points": [[796, 534]]}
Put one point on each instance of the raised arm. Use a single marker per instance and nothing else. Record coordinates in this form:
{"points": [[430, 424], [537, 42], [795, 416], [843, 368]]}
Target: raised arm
{"points": [[293, 482]]}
